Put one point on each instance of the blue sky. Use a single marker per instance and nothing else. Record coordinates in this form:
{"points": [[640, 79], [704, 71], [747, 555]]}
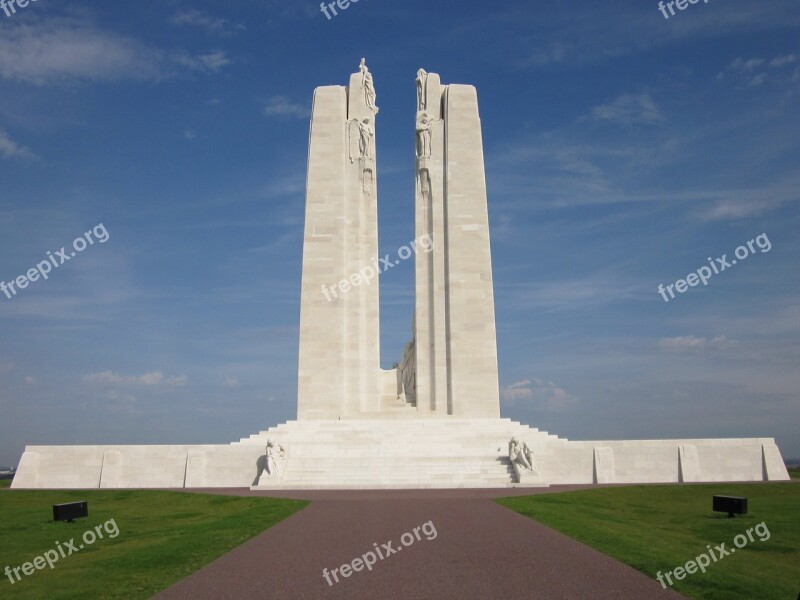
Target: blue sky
{"points": [[622, 150]]}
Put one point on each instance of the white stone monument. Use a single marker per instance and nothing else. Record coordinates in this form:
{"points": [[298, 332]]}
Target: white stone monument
{"points": [[433, 420]]}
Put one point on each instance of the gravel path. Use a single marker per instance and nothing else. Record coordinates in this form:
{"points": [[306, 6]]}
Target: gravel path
{"points": [[480, 550]]}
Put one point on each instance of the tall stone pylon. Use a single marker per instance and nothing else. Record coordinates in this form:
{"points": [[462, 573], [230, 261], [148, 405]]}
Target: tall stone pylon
{"points": [[339, 355], [454, 325]]}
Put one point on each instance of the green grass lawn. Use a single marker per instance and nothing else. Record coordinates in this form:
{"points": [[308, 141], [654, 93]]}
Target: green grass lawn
{"points": [[794, 472], [163, 537], [658, 528], [4, 483]]}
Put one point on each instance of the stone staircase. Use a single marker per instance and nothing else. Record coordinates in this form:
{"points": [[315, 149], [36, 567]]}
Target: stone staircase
{"points": [[406, 453]]}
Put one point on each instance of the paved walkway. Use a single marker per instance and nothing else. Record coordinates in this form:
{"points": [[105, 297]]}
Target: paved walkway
{"points": [[481, 550]]}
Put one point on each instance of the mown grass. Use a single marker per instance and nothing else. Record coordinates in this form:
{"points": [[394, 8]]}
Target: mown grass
{"points": [[658, 528], [163, 537]]}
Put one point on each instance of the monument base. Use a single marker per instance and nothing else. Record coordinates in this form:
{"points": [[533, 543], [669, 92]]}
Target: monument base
{"points": [[393, 454], [528, 479]]}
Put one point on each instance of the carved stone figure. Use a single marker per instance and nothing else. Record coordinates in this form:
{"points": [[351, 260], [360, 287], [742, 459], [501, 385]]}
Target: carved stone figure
{"points": [[407, 372], [368, 86], [274, 462], [423, 135], [422, 89], [366, 138], [521, 456]]}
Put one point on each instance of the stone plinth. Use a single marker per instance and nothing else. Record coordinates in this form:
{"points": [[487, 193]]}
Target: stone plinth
{"points": [[406, 453]]}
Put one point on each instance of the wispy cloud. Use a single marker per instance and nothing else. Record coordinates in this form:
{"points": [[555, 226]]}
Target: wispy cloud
{"points": [[66, 49], [554, 53], [745, 68], [787, 59], [148, 379], [538, 393], [280, 106], [545, 296], [747, 65], [11, 149], [592, 34], [197, 18], [628, 109], [756, 71], [740, 204], [690, 343], [579, 163], [63, 49], [209, 62]]}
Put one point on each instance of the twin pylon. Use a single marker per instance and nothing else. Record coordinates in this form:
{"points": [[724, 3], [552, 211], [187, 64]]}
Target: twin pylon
{"points": [[450, 366]]}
